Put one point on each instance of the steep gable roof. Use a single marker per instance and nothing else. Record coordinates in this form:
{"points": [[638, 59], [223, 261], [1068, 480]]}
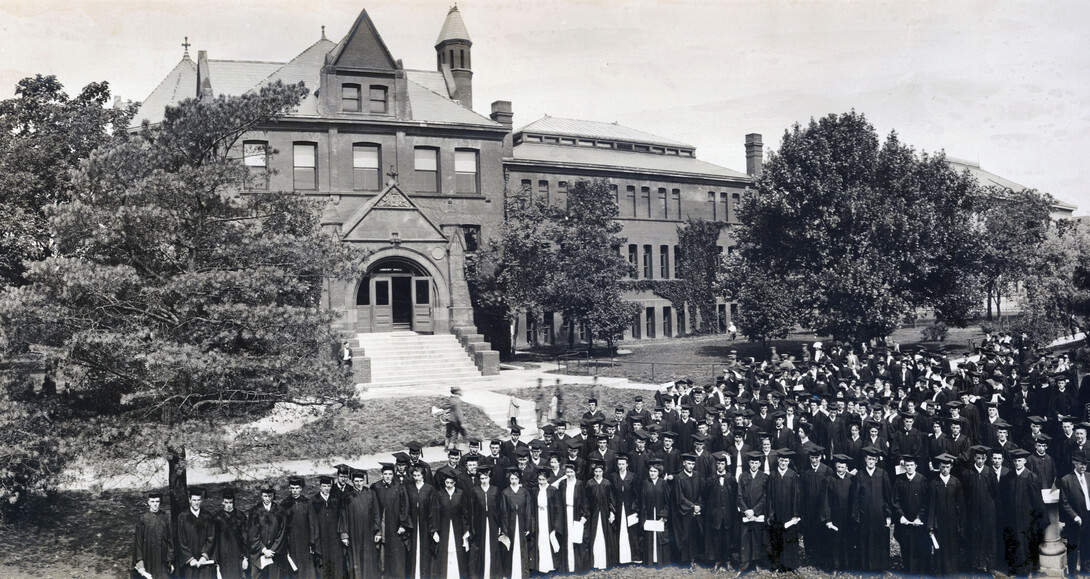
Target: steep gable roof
{"points": [[179, 84], [430, 107], [399, 215], [305, 68], [363, 47]]}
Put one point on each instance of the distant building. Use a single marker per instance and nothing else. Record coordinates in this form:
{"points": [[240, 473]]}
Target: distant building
{"points": [[1060, 210]]}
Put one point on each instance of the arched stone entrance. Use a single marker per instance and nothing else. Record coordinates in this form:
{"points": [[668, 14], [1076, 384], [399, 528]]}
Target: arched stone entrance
{"points": [[400, 291]]}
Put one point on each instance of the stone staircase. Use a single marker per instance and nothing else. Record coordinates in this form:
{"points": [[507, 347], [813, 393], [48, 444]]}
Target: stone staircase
{"points": [[408, 358]]}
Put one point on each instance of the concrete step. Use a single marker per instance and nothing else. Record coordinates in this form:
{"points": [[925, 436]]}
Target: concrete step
{"points": [[406, 358]]}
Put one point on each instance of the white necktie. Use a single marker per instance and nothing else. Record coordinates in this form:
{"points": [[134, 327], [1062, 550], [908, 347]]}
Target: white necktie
{"points": [[1085, 494]]}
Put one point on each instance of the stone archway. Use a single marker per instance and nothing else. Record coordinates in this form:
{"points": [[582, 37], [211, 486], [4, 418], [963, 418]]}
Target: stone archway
{"points": [[401, 289]]}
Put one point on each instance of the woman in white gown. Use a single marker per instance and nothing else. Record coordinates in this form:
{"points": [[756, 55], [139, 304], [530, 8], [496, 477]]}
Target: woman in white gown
{"points": [[517, 514], [548, 516]]}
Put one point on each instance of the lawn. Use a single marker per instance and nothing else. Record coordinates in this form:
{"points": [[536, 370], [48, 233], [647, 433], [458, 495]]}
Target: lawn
{"points": [[378, 425], [573, 398]]}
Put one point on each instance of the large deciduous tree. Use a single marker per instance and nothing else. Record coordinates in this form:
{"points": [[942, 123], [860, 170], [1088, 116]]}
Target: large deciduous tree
{"points": [[175, 295], [868, 231], [44, 133], [1014, 225]]}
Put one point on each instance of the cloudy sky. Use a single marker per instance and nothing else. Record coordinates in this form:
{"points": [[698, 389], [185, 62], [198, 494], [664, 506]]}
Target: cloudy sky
{"points": [[1002, 83]]}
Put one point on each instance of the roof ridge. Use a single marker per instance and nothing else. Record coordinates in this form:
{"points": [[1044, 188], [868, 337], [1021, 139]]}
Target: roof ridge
{"points": [[249, 61]]}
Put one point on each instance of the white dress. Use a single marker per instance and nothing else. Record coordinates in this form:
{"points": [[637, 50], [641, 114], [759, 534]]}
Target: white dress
{"points": [[544, 546]]}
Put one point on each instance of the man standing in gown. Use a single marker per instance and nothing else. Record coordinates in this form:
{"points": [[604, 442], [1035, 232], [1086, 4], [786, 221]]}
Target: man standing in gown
{"points": [[784, 514], [360, 529], [752, 504], [1075, 513], [1026, 515], [302, 530], [721, 510], [838, 515], [945, 517], [910, 502], [451, 527], [231, 550], [325, 512], [981, 494], [394, 513], [813, 478], [153, 544], [267, 538], [196, 534], [875, 513]]}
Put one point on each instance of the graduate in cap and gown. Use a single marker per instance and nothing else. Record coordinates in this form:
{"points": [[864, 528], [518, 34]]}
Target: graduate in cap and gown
{"points": [[302, 529], [720, 511], [626, 489], [326, 511], [548, 519], [753, 505], [910, 504], [393, 504], [451, 524], [153, 541], [655, 507], [360, 529], [231, 549], [813, 477], [421, 524], [267, 536], [839, 515], [784, 513], [486, 553], [517, 512], [601, 515], [1026, 517], [875, 503], [571, 494], [981, 493], [945, 516], [196, 535]]}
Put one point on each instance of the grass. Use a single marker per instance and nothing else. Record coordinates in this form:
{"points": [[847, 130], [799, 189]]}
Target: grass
{"points": [[574, 398], [367, 430]]}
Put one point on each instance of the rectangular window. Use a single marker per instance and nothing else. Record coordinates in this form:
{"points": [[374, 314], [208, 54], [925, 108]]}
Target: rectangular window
{"points": [[645, 199], [377, 98], [664, 203], [423, 296], [426, 162], [736, 204], [636, 324], [531, 329], [584, 334], [667, 323], [633, 256], [630, 192], [366, 160], [543, 190], [711, 206], [547, 329], [562, 194], [677, 260], [723, 206], [305, 170], [465, 172], [616, 195], [255, 154], [350, 98], [721, 309], [648, 270], [382, 293], [675, 198], [650, 322], [664, 261]]}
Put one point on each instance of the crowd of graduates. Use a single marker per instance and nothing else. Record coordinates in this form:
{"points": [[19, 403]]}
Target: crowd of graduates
{"points": [[834, 457]]}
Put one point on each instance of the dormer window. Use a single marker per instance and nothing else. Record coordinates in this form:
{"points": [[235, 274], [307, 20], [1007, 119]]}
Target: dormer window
{"points": [[378, 100], [350, 98]]}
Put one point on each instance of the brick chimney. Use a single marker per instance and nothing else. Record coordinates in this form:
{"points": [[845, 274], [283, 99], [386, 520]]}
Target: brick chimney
{"points": [[754, 154], [501, 113]]}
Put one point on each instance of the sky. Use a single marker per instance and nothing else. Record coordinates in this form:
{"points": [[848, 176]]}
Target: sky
{"points": [[1002, 83]]}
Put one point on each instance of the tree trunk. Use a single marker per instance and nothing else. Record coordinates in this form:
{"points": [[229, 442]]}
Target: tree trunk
{"points": [[571, 335], [988, 299]]}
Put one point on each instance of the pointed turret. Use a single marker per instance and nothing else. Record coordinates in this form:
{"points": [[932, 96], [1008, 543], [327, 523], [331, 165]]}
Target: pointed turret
{"points": [[452, 53]]}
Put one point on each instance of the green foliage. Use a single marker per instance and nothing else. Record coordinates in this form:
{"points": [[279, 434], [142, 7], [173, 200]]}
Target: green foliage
{"points": [[44, 134], [697, 271], [1013, 225], [31, 445], [562, 259], [935, 332], [173, 300], [1057, 284], [865, 231], [766, 301]]}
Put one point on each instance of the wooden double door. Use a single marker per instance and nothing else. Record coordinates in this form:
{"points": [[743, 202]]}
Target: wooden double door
{"points": [[401, 302]]}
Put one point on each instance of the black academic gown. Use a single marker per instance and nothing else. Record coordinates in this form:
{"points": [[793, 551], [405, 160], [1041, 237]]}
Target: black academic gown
{"points": [[484, 528], [196, 538], [752, 495], [839, 508], [1025, 520], [230, 543], [420, 529], [627, 498], [359, 522], [910, 502], [720, 515], [328, 548], [268, 529], [517, 520], [541, 537], [813, 530], [784, 504], [394, 512], [981, 493], [874, 507], [153, 543], [577, 561], [451, 520], [655, 505], [945, 518], [302, 535], [600, 504]]}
